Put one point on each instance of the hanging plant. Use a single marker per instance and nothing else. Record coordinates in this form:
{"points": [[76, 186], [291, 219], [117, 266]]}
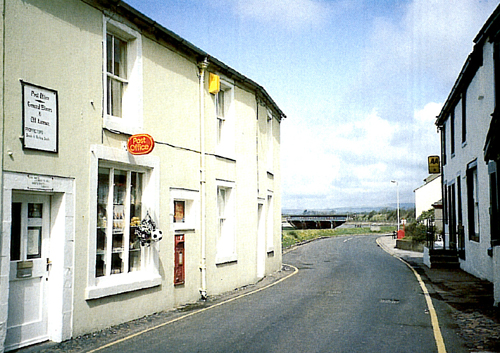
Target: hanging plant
{"points": [[147, 231]]}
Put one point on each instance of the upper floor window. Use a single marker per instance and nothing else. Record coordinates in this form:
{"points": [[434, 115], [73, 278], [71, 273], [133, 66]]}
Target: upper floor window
{"points": [[452, 133], [270, 142], [221, 114], [116, 56], [496, 63], [224, 112], [443, 143], [464, 117], [123, 77]]}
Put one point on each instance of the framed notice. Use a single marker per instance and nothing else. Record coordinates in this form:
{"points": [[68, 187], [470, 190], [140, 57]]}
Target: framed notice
{"points": [[40, 118]]}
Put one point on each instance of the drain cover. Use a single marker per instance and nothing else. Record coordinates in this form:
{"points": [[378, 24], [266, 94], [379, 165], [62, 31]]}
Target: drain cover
{"points": [[389, 301]]}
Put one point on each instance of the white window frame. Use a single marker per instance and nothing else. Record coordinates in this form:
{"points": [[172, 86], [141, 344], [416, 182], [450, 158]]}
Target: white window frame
{"points": [[191, 199], [131, 121], [225, 126], [226, 230], [148, 276], [270, 223]]}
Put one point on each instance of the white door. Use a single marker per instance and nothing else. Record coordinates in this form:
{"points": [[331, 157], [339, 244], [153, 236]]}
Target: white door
{"points": [[29, 270]]}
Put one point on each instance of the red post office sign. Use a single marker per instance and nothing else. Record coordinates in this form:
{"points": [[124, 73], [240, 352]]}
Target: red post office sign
{"points": [[140, 144]]}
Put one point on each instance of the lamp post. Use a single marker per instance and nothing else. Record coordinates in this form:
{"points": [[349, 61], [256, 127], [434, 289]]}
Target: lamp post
{"points": [[397, 190]]}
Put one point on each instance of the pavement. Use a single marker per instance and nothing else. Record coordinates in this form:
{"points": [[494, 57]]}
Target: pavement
{"points": [[470, 298]]}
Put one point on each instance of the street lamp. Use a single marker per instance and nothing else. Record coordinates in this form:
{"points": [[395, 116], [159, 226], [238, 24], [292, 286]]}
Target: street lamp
{"points": [[397, 190]]}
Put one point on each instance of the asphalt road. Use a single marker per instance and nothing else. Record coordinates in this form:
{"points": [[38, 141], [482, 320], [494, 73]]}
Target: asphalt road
{"points": [[348, 296]]}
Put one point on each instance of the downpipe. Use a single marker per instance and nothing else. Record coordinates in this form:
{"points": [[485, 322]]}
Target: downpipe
{"points": [[203, 265]]}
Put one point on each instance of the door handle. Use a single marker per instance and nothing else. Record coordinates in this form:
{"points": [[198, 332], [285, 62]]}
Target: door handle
{"points": [[49, 264]]}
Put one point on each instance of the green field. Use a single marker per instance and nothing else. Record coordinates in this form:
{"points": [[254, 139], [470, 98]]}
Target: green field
{"points": [[294, 236]]}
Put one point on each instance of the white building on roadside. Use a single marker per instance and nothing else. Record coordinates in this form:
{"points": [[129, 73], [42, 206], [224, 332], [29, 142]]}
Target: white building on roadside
{"points": [[469, 125], [79, 78]]}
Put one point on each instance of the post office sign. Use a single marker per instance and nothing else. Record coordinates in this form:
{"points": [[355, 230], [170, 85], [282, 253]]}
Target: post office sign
{"points": [[40, 118], [140, 144]]}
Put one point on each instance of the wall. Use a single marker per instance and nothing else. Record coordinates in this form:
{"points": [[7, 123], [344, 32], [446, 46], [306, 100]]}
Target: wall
{"points": [[427, 195]]}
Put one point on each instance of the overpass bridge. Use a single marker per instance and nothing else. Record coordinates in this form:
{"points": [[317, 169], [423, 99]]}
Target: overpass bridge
{"points": [[316, 221]]}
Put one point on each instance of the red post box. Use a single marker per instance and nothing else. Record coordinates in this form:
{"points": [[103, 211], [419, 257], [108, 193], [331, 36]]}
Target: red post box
{"points": [[179, 260]]}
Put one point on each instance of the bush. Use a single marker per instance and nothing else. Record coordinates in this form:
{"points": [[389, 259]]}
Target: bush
{"points": [[416, 231]]}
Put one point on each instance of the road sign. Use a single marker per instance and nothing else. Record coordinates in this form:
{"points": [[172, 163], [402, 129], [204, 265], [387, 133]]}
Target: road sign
{"points": [[434, 165]]}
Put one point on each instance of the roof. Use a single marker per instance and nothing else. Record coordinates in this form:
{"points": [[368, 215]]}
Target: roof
{"points": [[428, 180], [187, 49], [471, 65]]}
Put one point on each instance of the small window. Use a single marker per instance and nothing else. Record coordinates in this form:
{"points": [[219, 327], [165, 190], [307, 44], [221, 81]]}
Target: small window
{"points": [[184, 205], [179, 211]]}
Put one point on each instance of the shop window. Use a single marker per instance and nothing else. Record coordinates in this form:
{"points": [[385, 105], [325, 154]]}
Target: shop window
{"points": [[123, 78], [123, 193], [119, 212], [226, 240]]}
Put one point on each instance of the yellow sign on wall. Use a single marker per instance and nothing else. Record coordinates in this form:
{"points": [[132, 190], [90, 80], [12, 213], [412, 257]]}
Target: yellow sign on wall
{"points": [[213, 84], [434, 165]]}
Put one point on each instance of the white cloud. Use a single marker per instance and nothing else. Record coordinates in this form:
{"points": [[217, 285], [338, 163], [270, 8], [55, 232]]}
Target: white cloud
{"points": [[288, 13]]}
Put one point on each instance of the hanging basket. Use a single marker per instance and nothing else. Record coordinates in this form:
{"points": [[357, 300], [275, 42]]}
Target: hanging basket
{"points": [[147, 231]]}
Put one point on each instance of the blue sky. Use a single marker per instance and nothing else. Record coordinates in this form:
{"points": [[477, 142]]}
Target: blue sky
{"points": [[361, 82]]}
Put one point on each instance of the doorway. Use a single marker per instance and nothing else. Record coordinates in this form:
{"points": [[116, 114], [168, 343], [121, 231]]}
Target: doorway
{"points": [[29, 270]]}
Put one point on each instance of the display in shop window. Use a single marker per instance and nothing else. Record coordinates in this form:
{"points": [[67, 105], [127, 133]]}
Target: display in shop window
{"points": [[179, 211]]}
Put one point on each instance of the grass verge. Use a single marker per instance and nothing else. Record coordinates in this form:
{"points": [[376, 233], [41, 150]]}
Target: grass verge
{"points": [[294, 236]]}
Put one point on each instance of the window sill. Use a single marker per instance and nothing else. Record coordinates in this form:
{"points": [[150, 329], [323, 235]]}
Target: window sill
{"points": [[221, 260], [122, 283], [183, 227], [118, 124]]}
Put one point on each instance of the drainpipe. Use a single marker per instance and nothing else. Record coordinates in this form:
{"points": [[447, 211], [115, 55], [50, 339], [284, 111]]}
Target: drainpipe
{"points": [[203, 265]]}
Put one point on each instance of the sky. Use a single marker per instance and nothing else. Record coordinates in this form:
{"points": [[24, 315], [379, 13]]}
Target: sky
{"points": [[360, 81]]}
